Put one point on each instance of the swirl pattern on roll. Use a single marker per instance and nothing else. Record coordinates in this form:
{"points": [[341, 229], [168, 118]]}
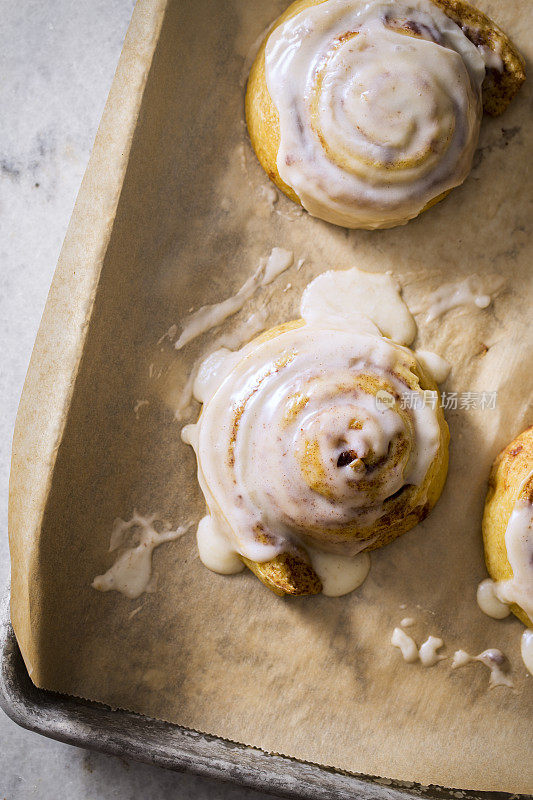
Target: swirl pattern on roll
{"points": [[379, 108], [308, 441]]}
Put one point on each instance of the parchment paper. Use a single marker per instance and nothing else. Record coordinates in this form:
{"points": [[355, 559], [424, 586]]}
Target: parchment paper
{"points": [[313, 678]]}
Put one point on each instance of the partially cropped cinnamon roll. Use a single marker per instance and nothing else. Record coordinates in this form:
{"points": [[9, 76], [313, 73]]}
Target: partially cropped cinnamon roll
{"points": [[314, 438], [367, 112], [508, 528]]}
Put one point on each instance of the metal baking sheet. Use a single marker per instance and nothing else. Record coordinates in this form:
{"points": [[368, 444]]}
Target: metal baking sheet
{"points": [[122, 733], [77, 721]]}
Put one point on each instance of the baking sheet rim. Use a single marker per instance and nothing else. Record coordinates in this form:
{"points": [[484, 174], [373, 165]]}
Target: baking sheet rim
{"points": [[244, 775]]}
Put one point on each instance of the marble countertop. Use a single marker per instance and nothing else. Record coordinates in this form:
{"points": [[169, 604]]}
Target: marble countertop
{"points": [[57, 67]]}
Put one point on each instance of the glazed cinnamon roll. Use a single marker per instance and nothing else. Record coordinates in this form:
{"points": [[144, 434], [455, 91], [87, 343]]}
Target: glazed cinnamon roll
{"points": [[306, 444], [508, 527], [367, 113]]}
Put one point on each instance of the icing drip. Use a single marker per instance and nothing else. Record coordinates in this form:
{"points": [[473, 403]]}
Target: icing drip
{"points": [[216, 354], [426, 654], [526, 649], [496, 661], [406, 644], [208, 317], [519, 546], [457, 295], [488, 600], [214, 549], [212, 371], [428, 651], [132, 571], [495, 597], [368, 301], [460, 659], [374, 123], [339, 575], [278, 261], [435, 365]]}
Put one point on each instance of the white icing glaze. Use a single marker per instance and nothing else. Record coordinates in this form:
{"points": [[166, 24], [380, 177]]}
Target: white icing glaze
{"points": [[519, 546], [526, 649], [208, 317], [407, 622], [186, 395], [496, 661], [132, 571], [374, 124], [454, 295], [489, 602], [428, 651], [340, 575], [406, 644], [494, 597], [368, 301], [492, 59], [460, 659], [435, 365], [278, 261], [189, 435], [268, 193], [214, 549], [212, 371], [242, 333], [499, 666], [169, 334], [211, 362], [137, 407]]}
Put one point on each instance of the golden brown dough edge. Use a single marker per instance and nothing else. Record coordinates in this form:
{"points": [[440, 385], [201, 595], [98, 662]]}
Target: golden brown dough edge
{"points": [[508, 471], [498, 88], [287, 574]]}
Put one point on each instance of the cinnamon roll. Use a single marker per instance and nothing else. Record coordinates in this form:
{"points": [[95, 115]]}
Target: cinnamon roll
{"points": [[368, 112], [508, 527], [318, 440]]}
